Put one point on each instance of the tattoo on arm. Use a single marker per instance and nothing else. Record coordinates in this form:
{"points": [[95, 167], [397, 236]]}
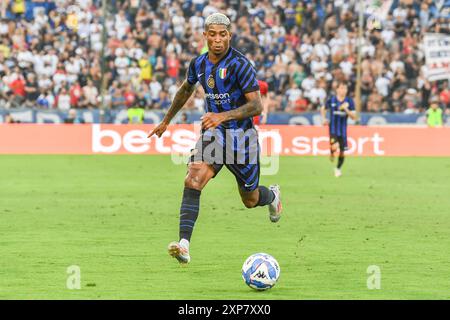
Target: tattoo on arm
{"points": [[250, 109], [182, 95]]}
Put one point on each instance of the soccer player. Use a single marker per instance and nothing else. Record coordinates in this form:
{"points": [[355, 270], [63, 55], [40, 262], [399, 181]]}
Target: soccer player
{"points": [[232, 99], [341, 107]]}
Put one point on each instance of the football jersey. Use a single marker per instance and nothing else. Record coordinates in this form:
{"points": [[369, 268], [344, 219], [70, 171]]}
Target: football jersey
{"points": [[338, 118], [225, 84]]}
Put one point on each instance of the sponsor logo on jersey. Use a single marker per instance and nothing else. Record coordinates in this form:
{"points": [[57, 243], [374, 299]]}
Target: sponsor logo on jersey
{"points": [[217, 95], [219, 98], [339, 113]]}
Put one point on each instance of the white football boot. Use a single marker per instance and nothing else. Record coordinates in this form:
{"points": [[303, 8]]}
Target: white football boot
{"points": [[337, 172], [275, 207], [180, 251]]}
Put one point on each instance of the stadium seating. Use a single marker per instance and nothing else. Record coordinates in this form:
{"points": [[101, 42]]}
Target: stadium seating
{"points": [[299, 47]]}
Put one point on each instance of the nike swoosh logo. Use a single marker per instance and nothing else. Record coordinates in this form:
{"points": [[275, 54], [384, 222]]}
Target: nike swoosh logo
{"points": [[199, 75], [248, 185]]}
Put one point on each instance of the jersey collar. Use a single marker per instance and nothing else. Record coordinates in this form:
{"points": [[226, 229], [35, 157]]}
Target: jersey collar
{"points": [[221, 59]]}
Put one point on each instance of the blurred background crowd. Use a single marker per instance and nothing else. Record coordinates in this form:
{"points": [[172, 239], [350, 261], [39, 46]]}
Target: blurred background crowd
{"points": [[51, 52]]}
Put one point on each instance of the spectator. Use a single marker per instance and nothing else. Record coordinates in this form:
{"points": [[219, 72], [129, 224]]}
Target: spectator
{"points": [[173, 66], [135, 115], [91, 94], [445, 95], [16, 84], [293, 95], [146, 69], [121, 24], [129, 95], [183, 119], [18, 8], [75, 94], [411, 100], [9, 119], [301, 105], [73, 118], [63, 100], [318, 95], [374, 102], [382, 85], [155, 89], [46, 100], [310, 43], [163, 101], [199, 101], [31, 90], [118, 100]]}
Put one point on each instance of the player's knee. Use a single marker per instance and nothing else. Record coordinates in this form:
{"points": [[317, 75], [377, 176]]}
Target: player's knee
{"points": [[197, 177], [193, 182]]}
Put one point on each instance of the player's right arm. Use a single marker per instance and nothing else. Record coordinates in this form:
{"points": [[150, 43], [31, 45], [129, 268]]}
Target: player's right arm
{"points": [[323, 113], [181, 96]]}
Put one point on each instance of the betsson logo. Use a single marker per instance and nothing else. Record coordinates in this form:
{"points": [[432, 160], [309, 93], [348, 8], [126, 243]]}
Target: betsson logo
{"points": [[320, 146], [176, 140], [136, 141]]}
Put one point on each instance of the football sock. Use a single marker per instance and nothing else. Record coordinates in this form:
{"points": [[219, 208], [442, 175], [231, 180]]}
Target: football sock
{"points": [[340, 162], [266, 196], [189, 212]]}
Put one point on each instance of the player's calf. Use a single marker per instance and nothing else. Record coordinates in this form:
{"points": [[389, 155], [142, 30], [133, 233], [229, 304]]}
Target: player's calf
{"points": [[264, 196], [190, 206], [259, 197], [340, 160], [337, 170], [250, 203], [250, 199]]}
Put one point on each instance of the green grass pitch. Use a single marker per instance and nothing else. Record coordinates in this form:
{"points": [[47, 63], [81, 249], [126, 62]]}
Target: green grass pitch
{"points": [[113, 216]]}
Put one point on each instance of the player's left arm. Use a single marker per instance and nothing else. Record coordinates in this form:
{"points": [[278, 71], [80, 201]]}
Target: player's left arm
{"points": [[252, 108]]}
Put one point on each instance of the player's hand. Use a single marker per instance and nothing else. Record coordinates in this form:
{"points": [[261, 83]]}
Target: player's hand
{"points": [[211, 120], [344, 106], [325, 122], [159, 130]]}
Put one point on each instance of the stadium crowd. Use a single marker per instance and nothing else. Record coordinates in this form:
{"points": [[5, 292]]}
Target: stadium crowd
{"points": [[50, 52]]}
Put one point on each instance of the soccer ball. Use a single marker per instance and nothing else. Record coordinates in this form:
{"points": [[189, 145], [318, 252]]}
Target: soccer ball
{"points": [[260, 271]]}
